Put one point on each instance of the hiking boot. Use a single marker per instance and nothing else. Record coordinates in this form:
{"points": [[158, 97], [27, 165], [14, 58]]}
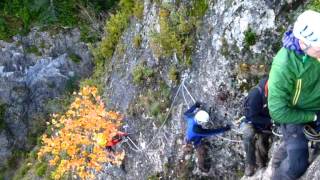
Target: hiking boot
{"points": [[249, 171]]}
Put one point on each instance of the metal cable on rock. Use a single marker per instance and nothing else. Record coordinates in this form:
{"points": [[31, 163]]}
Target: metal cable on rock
{"points": [[227, 139], [167, 115], [136, 148]]}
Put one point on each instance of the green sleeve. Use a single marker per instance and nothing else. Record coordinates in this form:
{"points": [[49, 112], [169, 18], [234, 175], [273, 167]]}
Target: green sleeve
{"points": [[281, 87]]}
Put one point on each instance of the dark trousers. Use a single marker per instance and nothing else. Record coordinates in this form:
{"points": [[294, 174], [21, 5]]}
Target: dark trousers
{"points": [[202, 148], [203, 156], [256, 146], [290, 161]]}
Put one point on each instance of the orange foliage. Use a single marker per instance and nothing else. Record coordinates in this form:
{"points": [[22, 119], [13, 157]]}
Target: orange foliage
{"points": [[78, 144]]}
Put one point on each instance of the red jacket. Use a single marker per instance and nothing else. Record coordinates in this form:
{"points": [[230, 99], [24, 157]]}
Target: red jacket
{"points": [[116, 139]]}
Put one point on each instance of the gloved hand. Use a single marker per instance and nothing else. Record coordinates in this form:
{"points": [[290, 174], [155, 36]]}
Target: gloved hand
{"points": [[239, 121], [198, 104], [316, 124], [228, 127]]}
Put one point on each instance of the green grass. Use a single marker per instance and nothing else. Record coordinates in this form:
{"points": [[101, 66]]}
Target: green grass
{"points": [[138, 9], [75, 58], [178, 28], [314, 5], [137, 41], [199, 8], [17, 155], [2, 173], [72, 84], [154, 177], [43, 44], [41, 169], [249, 37], [141, 73], [9, 26], [18, 16], [225, 47], [87, 34], [23, 170], [114, 28], [2, 116], [174, 74], [154, 100], [157, 102], [33, 154], [33, 50]]}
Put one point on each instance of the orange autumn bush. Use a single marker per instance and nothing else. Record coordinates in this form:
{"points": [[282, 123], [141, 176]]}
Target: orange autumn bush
{"points": [[80, 135]]}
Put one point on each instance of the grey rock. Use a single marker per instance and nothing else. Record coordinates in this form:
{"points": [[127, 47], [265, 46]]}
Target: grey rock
{"points": [[215, 78], [29, 80]]}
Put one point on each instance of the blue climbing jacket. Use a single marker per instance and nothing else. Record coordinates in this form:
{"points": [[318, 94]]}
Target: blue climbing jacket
{"points": [[195, 132]]}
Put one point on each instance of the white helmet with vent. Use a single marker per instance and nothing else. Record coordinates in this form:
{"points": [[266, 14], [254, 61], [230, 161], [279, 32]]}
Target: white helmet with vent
{"points": [[307, 28], [202, 118]]}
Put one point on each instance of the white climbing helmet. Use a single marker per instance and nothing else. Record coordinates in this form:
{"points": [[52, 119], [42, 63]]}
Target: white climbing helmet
{"points": [[202, 118], [307, 28]]}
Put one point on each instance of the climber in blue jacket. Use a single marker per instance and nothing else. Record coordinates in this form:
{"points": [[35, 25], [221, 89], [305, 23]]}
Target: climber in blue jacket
{"points": [[197, 122]]}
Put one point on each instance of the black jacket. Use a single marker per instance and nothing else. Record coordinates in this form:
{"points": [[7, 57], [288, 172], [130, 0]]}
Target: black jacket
{"points": [[256, 109]]}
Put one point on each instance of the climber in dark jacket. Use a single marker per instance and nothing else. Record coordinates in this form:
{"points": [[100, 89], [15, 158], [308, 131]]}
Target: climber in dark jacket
{"points": [[255, 127], [197, 121]]}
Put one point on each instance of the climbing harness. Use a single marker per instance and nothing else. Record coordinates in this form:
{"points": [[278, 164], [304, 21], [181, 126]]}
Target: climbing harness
{"points": [[275, 131]]}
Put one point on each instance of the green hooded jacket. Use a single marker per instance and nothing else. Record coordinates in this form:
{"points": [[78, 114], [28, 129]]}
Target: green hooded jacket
{"points": [[294, 88]]}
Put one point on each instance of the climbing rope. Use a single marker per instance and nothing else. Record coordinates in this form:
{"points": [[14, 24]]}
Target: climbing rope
{"points": [[227, 139], [185, 100], [273, 130], [311, 134], [184, 86]]}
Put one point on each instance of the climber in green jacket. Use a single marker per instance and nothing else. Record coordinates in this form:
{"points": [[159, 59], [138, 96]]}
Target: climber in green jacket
{"points": [[294, 93]]}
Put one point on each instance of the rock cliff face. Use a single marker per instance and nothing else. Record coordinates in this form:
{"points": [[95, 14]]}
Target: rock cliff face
{"points": [[225, 64], [33, 70], [234, 42]]}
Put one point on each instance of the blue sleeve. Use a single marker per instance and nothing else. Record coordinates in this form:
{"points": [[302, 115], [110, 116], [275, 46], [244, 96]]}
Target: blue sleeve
{"points": [[190, 111], [208, 132]]}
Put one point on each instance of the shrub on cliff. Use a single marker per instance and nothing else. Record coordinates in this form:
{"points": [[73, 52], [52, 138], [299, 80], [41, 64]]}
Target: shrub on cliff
{"points": [[77, 144]]}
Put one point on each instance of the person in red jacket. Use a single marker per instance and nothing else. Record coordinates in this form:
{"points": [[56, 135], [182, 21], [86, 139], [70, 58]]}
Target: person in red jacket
{"points": [[115, 140]]}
